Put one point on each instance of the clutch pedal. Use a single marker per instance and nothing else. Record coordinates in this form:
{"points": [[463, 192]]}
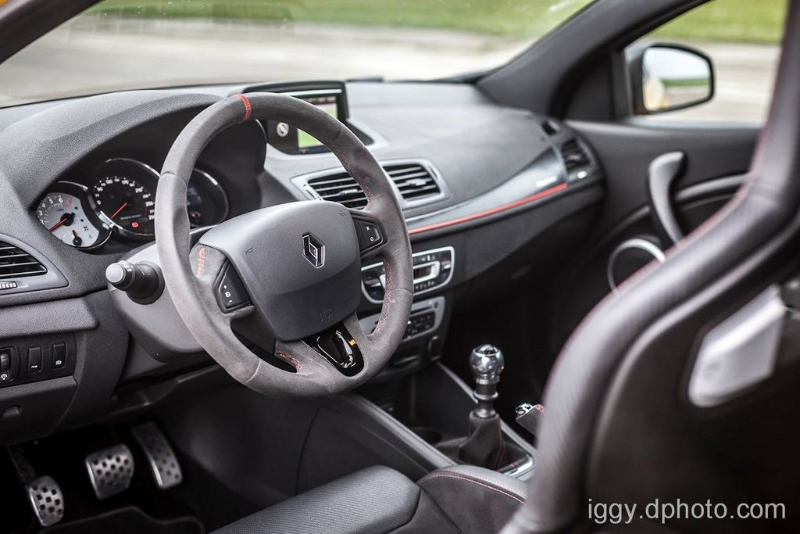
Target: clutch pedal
{"points": [[46, 500], [160, 455], [110, 470]]}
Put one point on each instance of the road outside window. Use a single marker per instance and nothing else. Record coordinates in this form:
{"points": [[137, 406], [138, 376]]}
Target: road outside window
{"points": [[133, 44]]}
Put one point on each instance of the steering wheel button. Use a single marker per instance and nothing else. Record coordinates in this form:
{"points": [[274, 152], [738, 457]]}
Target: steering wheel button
{"points": [[231, 293], [369, 234]]}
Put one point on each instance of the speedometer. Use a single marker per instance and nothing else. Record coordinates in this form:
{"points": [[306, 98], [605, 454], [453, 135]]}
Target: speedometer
{"points": [[124, 192]]}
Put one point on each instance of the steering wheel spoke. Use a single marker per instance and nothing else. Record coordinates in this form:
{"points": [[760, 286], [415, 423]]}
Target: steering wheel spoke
{"points": [[371, 234], [218, 279]]}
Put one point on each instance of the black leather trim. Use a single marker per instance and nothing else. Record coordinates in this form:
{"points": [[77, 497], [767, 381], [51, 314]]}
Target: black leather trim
{"points": [[477, 500], [377, 500]]}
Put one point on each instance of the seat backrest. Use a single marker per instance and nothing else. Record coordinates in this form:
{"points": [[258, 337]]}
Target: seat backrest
{"points": [[619, 425]]}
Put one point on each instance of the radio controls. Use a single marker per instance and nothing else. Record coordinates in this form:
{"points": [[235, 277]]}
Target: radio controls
{"points": [[433, 269]]}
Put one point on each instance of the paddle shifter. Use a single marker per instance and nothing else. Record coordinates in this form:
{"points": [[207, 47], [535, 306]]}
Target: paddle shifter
{"points": [[484, 446]]}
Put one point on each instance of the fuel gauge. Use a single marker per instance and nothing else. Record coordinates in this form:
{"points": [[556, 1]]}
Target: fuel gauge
{"points": [[67, 212]]}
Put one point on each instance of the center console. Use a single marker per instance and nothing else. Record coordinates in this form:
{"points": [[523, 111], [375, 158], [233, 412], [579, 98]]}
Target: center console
{"points": [[433, 270]]}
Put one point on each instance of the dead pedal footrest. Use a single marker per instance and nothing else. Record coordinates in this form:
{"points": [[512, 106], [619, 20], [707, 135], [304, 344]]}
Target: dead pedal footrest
{"points": [[160, 456], [110, 470]]}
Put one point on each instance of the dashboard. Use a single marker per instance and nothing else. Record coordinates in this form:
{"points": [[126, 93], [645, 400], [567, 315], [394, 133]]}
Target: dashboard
{"points": [[490, 195]]}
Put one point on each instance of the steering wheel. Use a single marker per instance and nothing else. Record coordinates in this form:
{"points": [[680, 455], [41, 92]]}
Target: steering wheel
{"points": [[297, 265]]}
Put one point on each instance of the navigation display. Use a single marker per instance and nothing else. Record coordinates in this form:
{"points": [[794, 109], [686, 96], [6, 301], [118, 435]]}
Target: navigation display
{"points": [[328, 104], [287, 138]]}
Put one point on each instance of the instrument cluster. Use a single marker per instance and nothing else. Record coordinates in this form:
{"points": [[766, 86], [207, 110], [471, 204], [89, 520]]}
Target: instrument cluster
{"points": [[119, 201]]}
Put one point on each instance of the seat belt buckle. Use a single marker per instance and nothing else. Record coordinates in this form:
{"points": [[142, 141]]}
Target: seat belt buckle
{"points": [[529, 417]]}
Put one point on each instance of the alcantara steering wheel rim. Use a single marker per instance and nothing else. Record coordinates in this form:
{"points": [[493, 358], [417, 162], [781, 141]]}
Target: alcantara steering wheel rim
{"points": [[259, 246]]}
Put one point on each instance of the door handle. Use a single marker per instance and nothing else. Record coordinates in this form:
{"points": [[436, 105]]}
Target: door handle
{"points": [[663, 172]]}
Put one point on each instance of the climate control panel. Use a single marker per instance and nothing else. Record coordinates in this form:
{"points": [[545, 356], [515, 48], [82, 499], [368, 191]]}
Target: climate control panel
{"points": [[433, 269]]}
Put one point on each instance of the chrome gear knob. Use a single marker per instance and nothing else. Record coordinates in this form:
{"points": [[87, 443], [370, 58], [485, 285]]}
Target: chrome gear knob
{"points": [[486, 363]]}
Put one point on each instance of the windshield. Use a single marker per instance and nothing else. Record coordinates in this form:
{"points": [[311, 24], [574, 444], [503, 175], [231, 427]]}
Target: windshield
{"points": [[137, 44]]}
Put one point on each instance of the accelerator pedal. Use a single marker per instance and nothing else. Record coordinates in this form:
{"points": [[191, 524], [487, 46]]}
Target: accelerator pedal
{"points": [[110, 470], [160, 455]]}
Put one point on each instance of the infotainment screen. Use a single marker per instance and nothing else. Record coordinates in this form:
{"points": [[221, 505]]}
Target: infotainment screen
{"points": [[328, 104], [328, 95]]}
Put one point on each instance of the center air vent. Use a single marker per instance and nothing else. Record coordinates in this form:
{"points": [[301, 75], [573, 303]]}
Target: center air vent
{"points": [[16, 263], [574, 155], [417, 182], [338, 187], [414, 181]]}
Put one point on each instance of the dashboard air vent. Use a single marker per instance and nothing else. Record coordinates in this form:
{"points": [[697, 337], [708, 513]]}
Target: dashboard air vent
{"points": [[338, 187], [574, 155], [413, 180], [417, 181], [16, 263]]}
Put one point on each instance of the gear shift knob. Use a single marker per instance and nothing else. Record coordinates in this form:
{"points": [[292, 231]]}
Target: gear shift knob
{"points": [[486, 362]]}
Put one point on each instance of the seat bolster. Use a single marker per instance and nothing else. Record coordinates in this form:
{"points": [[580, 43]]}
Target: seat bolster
{"points": [[376, 500], [477, 500]]}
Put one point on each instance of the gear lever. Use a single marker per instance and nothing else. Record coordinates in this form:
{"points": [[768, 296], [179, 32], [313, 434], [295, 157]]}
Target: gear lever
{"points": [[484, 446], [486, 362]]}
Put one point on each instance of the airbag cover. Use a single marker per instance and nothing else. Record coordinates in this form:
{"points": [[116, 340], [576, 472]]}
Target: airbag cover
{"points": [[300, 263]]}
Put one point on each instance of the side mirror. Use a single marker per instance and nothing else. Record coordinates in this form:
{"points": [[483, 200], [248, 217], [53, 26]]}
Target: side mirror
{"points": [[668, 77]]}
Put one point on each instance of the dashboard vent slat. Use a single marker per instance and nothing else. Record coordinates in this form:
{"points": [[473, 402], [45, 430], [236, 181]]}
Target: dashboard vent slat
{"points": [[414, 181], [16, 263], [574, 155]]}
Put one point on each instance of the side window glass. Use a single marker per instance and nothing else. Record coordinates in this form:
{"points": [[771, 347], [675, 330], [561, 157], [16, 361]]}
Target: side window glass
{"points": [[742, 40]]}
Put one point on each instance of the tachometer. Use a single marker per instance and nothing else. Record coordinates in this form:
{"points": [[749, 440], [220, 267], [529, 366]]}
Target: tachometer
{"points": [[67, 212], [124, 192], [206, 201]]}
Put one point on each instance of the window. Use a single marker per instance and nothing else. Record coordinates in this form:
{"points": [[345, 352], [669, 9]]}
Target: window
{"points": [[742, 38], [138, 44]]}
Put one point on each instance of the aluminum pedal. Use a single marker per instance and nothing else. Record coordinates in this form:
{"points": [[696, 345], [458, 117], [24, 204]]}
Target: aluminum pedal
{"points": [[160, 455], [110, 470], [46, 500]]}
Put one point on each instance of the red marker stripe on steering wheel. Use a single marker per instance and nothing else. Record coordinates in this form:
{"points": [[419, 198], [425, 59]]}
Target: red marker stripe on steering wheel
{"points": [[247, 108]]}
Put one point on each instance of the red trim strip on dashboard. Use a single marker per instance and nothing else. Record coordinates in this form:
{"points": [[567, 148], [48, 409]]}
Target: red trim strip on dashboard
{"points": [[467, 218]]}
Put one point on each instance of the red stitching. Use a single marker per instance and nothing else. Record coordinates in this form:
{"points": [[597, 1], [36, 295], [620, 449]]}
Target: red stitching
{"points": [[448, 475], [387, 297], [247, 107], [358, 178], [201, 261], [291, 359]]}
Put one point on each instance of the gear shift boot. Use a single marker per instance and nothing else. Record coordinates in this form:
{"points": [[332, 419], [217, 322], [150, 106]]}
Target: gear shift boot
{"points": [[485, 445]]}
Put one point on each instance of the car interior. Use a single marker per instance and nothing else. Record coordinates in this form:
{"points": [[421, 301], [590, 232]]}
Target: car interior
{"points": [[471, 304]]}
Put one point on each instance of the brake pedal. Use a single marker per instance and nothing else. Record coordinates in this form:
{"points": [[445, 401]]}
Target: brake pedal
{"points": [[46, 500], [160, 455], [110, 470]]}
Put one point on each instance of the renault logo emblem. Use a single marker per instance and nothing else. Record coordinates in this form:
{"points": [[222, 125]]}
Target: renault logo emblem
{"points": [[313, 250]]}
